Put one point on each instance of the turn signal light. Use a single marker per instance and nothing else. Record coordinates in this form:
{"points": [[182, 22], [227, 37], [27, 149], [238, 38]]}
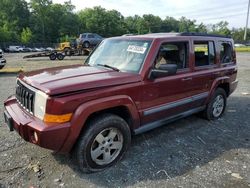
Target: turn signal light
{"points": [[49, 118]]}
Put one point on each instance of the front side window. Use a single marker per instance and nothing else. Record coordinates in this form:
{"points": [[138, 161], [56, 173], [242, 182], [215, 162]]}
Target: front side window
{"points": [[204, 52], [125, 55], [226, 52], [173, 53], [83, 36]]}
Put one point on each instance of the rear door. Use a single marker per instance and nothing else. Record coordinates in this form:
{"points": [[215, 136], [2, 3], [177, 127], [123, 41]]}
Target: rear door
{"points": [[204, 66]]}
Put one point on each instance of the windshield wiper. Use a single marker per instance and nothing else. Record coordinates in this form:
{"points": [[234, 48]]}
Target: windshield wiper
{"points": [[108, 66]]}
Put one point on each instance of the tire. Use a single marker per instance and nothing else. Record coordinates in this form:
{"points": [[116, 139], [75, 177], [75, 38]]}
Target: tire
{"points": [[67, 51], [60, 56], [114, 137], [217, 105], [86, 44], [52, 57]]}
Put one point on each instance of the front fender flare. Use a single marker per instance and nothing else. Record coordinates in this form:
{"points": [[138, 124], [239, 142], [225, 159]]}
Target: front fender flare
{"points": [[86, 109]]}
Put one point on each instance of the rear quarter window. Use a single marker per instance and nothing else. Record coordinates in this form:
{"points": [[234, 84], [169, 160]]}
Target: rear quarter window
{"points": [[226, 52]]}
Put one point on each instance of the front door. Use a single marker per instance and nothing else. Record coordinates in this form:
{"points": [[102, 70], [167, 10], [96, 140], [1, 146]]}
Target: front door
{"points": [[168, 96]]}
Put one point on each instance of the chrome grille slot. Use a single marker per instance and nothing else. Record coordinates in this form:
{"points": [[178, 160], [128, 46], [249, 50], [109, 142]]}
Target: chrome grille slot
{"points": [[25, 97]]}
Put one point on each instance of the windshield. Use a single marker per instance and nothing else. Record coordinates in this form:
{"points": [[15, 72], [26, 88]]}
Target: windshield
{"points": [[124, 55]]}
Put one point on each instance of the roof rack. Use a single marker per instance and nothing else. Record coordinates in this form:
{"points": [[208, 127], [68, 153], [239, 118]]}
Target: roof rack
{"points": [[203, 34]]}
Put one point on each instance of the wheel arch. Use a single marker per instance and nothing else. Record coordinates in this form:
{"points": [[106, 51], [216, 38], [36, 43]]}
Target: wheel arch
{"points": [[121, 105], [223, 82]]}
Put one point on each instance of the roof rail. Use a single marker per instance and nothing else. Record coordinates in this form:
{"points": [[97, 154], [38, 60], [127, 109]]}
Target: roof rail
{"points": [[203, 34]]}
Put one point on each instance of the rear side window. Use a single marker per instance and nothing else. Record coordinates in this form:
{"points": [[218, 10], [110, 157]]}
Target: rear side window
{"points": [[226, 52], [204, 53]]}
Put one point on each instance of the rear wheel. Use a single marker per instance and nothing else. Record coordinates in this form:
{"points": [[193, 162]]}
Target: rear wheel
{"points": [[104, 143], [60, 56], [217, 105], [52, 57], [67, 51], [86, 44]]}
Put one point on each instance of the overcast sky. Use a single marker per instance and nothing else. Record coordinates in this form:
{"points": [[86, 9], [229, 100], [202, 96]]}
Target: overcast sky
{"points": [[209, 11]]}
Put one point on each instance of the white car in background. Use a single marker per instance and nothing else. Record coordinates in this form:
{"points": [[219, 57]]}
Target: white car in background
{"points": [[2, 60], [15, 49]]}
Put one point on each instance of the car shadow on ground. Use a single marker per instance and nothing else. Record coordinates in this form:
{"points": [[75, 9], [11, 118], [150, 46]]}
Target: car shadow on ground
{"points": [[177, 148]]}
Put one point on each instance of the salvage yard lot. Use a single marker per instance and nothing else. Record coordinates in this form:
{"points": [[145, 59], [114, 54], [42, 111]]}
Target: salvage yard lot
{"points": [[191, 152]]}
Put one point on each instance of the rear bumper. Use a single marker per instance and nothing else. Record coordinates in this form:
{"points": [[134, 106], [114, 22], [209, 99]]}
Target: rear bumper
{"points": [[50, 136], [233, 86]]}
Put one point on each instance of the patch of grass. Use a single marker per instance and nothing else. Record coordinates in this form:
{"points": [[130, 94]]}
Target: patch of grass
{"points": [[242, 49]]}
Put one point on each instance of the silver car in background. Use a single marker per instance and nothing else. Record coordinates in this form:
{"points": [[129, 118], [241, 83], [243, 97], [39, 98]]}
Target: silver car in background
{"points": [[2, 60], [88, 40]]}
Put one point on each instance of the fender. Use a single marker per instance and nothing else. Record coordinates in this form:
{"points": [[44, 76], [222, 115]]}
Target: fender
{"points": [[86, 109], [216, 83]]}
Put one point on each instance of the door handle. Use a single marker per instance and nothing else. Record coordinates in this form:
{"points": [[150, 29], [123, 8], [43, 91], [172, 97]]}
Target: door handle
{"points": [[186, 79]]}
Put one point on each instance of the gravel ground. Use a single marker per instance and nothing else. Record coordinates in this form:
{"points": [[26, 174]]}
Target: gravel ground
{"points": [[191, 152], [16, 61]]}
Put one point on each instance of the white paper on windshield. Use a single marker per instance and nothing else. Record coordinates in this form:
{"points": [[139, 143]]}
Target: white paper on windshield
{"points": [[136, 49]]}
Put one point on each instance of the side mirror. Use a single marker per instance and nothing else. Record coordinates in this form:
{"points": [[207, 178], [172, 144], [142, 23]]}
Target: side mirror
{"points": [[163, 70]]}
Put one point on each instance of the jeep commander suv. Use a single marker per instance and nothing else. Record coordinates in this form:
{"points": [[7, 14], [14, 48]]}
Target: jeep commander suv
{"points": [[128, 85]]}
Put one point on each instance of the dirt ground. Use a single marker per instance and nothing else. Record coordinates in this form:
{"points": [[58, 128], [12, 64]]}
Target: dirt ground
{"points": [[191, 152]]}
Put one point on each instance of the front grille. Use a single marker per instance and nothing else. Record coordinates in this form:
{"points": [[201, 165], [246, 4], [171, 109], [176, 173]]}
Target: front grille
{"points": [[25, 97]]}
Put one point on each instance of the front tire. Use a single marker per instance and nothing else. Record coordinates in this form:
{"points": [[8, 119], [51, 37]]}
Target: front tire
{"points": [[103, 143], [217, 105]]}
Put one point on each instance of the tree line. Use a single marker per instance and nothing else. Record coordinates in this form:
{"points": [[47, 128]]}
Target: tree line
{"points": [[41, 21]]}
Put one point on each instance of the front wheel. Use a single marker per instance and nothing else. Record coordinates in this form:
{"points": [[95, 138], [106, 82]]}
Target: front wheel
{"points": [[104, 143], [217, 105]]}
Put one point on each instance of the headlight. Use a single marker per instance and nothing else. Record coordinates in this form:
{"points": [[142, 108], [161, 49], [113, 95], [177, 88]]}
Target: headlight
{"points": [[40, 104]]}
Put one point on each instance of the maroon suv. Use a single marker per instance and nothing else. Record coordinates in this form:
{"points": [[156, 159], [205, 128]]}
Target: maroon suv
{"points": [[127, 86]]}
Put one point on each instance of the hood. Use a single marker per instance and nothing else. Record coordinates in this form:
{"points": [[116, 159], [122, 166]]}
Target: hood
{"points": [[66, 79]]}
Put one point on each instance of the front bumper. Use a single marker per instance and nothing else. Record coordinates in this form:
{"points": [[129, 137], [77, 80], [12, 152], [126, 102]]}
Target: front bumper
{"points": [[48, 135]]}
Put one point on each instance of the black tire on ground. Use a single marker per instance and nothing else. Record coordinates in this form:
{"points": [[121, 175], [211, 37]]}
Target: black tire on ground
{"points": [[60, 56], [103, 143], [1, 66], [52, 57], [217, 105], [86, 44]]}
